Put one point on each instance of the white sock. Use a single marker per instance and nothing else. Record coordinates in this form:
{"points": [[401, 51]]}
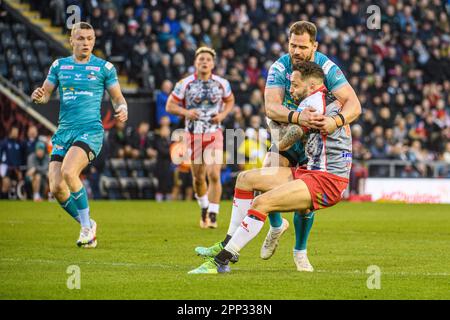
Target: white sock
{"points": [[276, 229], [249, 228], [300, 251], [213, 207], [202, 201], [242, 201]]}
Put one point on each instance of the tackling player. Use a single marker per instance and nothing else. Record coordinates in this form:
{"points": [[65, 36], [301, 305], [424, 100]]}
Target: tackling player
{"points": [[81, 80], [204, 99], [278, 103], [321, 185]]}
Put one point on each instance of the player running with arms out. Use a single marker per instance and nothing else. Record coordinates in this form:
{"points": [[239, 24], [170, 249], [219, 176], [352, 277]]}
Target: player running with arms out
{"points": [[81, 80], [204, 99], [278, 103], [319, 186]]}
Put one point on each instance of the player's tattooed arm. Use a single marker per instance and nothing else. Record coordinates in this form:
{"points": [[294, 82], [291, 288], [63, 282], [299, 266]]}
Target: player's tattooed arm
{"points": [[292, 134], [284, 135]]}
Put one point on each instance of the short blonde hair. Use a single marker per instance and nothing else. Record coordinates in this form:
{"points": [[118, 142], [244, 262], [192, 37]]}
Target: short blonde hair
{"points": [[205, 50], [80, 25]]}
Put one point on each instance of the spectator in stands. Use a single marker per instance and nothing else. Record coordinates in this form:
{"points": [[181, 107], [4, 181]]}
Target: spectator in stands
{"points": [[12, 157], [161, 100], [30, 142], [163, 70], [142, 142], [164, 171], [37, 168], [119, 141]]}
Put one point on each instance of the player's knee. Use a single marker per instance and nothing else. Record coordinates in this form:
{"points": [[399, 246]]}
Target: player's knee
{"points": [[69, 174], [56, 189], [242, 176], [260, 204], [214, 178]]}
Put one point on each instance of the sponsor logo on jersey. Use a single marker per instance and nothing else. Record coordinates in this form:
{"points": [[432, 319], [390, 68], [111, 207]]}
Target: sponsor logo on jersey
{"points": [[346, 154], [66, 67], [279, 66], [327, 66], [339, 74], [109, 65], [78, 76], [93, 68], [58, 147], [91, 76]]}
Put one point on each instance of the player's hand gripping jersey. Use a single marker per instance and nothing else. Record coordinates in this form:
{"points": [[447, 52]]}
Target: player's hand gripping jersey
{"points": [[280, 76], [329, 156], [330, 153], [204, 96]]}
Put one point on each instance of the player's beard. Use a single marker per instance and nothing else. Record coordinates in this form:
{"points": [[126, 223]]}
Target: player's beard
{"points": [[299, 58], [300, 96]]}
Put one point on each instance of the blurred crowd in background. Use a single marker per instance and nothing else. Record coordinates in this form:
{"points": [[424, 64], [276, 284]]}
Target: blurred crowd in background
{"points": [[400, 70]]}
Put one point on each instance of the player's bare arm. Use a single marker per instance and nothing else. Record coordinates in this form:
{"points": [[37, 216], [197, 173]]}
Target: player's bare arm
{"points": [[173, 107], [292, 135], [284, 135], [276, 111], [42, 94], [228, 106], [119, 103], [351, 109]]}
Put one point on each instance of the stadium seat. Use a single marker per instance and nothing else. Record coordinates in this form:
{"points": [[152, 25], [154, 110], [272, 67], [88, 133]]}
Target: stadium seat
{"points": [[110, 188], [146, 187], [23, 43], [7, 41], [18, 74], [3, 66], [128, 188], [40, 46], [19, 29], [44, 59], [149, 166], [34, 74], [119, 167], [28, 57], [135, 168], [13, 58]]}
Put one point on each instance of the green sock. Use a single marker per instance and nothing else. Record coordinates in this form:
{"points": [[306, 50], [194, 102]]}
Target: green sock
{"points": [[71, 208], [81, 200], [275, 219], [302, 224]]}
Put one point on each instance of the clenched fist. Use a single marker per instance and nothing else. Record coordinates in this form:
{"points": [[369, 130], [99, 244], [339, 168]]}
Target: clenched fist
{"points": [[38, 95]]}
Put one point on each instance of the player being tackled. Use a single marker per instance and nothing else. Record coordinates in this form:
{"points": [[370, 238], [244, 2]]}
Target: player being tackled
{"points": [[319, 186]]}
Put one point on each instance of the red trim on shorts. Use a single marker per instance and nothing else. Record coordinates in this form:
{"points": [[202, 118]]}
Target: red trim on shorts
{"points": [[261, 216], [243, 194]]}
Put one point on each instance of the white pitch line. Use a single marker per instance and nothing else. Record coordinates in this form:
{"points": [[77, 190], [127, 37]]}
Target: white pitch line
{"points": [[159, 265]]}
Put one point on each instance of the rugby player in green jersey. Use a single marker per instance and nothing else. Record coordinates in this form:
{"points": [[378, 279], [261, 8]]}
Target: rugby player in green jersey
{"points": [[81, 80]]}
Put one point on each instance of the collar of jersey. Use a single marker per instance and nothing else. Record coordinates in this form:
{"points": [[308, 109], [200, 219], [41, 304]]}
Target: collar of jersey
{"points": [[75, 62]]}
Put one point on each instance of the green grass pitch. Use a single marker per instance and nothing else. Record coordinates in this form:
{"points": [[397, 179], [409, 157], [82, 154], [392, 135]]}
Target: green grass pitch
{"points": [[145, 250]]}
